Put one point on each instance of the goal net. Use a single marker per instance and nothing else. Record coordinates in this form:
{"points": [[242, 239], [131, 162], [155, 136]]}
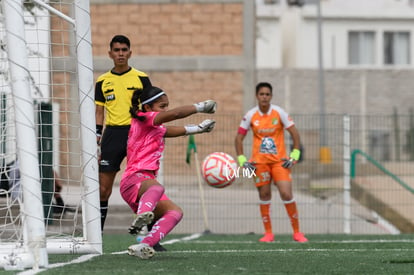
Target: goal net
{"points": [[49, 193]]}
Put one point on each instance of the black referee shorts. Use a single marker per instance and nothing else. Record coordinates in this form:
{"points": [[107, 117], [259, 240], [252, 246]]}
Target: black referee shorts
{"points": [[113, 148]]}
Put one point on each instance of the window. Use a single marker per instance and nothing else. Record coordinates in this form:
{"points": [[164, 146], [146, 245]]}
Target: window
{"points": [[298, 3], [396, 48], [361, 47], [271, 2]]}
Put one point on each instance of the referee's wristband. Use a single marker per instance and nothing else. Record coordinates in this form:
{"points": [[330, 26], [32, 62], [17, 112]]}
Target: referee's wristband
{"points": [[99, 129]]}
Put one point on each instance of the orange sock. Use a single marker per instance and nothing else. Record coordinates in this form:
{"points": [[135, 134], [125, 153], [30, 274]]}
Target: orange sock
{"points": [[265, 213], [293, 214]]}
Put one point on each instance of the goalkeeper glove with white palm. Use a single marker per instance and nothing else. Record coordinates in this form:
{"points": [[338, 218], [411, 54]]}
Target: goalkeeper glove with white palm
{"points": [[293, 159], [208, 106], [205, 126]]}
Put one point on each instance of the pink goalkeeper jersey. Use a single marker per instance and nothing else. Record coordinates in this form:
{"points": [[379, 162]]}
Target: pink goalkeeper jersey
{"points": [[145, 144]]}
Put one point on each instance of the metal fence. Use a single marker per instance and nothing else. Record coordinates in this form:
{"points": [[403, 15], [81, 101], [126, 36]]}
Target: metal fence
{"points": [[373, 200]]}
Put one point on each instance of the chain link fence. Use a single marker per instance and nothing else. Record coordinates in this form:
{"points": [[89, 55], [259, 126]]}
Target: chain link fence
{"points": [[380, 187]]}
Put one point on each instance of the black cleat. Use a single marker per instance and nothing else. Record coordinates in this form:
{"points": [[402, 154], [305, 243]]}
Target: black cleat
{"points": [[58, 209], [159, 248]]}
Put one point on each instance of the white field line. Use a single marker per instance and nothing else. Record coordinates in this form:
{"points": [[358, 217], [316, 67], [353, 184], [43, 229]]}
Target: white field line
{"points": [[293, 250], [193, 239], [187, 238], [80, 259], [310, 241], [85, 258]]}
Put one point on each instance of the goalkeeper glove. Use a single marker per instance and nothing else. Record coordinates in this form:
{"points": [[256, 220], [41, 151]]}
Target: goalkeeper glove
{"points": [[293, 159], [205, 126], [208, 106], [246, 164]]}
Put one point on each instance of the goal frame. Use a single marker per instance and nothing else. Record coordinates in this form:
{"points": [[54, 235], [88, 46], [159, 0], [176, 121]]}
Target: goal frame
{"points": [[35, 247]]}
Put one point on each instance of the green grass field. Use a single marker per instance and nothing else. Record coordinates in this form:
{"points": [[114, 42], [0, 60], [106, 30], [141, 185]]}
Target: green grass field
{"points": [[243, 254]]}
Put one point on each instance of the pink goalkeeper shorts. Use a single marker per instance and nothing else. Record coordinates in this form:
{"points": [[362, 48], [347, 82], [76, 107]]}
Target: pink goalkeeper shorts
{"points": [[129, 188]]}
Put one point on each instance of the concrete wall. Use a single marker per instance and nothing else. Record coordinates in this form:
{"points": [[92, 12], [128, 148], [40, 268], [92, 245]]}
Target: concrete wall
{"points": [[353, 91]]}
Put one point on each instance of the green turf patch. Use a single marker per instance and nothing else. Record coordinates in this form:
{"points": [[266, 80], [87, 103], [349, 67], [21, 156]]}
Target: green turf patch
{"points": [[243, 254]]}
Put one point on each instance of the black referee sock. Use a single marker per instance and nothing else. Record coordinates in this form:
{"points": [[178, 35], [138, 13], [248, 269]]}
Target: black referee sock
{"points": [[104, 211], [59, 201]]}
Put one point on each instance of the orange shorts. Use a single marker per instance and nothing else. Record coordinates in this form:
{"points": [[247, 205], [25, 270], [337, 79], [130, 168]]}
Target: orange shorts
{"points": [[265, 173]]}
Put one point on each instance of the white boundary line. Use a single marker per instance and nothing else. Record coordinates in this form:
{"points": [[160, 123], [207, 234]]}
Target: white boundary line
{"points": [[195, 236], [311, 241], [295, 250], [188, 238], [80, 259]]}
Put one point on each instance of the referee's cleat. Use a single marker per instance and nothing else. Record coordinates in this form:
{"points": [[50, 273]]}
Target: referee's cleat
{"points": [[159, 248], [63, 209], [140, 221], [142, 250]]}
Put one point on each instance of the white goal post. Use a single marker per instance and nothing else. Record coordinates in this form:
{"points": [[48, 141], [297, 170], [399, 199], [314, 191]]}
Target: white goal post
{"points": [[47, 126]]}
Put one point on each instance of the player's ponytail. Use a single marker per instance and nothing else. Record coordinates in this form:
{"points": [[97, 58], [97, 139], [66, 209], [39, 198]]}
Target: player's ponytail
{"points": [[136, 104]]}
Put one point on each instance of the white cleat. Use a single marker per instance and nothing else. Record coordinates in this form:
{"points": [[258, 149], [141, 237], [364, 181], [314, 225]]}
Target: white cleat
{"points": [[142, 250], [140, 221]]}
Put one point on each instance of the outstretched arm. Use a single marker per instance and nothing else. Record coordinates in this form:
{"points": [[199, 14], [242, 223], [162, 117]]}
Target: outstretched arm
{"points": [[176, 131], [208, 106], [174, 114]]}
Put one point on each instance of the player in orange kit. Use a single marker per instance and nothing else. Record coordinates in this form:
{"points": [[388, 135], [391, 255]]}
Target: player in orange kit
{"points": [[269, 159]]}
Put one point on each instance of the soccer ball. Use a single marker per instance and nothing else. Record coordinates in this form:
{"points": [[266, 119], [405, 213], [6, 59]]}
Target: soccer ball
{"points": [[219, 169]]}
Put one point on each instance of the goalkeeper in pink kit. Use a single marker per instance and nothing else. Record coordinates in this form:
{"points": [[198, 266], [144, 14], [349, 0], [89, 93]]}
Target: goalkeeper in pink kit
{"points": [[139, 186]]}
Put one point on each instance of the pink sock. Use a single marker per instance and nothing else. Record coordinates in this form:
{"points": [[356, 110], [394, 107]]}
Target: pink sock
{"points": [[162, 227], [150, 198]]}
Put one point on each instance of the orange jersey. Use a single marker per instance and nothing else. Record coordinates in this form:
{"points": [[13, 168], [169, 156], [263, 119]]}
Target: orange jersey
{"points": [[268, 133]]}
